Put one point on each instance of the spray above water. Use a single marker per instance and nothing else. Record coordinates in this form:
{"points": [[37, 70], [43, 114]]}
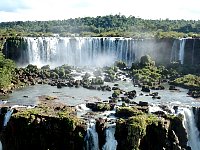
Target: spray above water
{"points": [[111, 143], [191, 128], [91, 139], [85, 51]]}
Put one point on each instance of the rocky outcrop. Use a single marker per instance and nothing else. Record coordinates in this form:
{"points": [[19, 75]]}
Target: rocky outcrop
{"points": [[191, 51], [150, 132], [53, 127]]}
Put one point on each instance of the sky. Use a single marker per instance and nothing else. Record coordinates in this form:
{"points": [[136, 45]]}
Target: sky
{"points": [[32, 10]]}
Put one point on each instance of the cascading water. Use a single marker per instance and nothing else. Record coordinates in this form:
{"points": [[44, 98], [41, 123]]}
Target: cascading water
{"points": [[174, 52], [191, 128], [182, 48], [178, 49], [83, 51], [91, 139], [193, 51], [111, 143], [7, 117]]}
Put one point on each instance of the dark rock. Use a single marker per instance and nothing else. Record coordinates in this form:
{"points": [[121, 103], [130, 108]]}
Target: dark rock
{"points": [[42, 131], [115, 88], [59, 85], [175, 109], [143, 103], [145, 89], [172, 87], [100, 128]]}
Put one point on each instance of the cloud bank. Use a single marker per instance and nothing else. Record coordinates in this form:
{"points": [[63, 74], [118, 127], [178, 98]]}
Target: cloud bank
{"points": [[13, 10]]}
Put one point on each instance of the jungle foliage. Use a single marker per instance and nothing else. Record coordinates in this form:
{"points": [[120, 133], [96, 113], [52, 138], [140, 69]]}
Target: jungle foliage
{"points": [[110, 25]]}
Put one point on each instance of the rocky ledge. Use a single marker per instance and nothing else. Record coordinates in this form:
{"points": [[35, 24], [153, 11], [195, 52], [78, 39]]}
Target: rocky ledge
{"points": [[149, 131], [50, 125], [55, 126]]}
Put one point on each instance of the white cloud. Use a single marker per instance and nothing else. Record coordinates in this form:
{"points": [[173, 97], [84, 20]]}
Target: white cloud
{"points": [[64, 9], [12, 5]]}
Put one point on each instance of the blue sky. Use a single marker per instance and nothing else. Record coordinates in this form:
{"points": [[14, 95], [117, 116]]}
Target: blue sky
{"points": [[22, 10]]}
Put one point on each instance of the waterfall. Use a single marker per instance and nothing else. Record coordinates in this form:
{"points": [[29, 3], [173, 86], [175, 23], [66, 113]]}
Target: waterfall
{"points": [[10, 111], [7, 117], [84, 51], [182, 50], [174, 53], [193, 52], [178, 50], [91, 139], [111, 143], [191, 128]]}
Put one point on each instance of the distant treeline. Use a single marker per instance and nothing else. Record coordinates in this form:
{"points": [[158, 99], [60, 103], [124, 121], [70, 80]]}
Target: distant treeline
{"points": [[110, 25]]}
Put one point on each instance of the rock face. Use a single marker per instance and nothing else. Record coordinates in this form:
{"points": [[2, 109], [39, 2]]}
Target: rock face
{"points": [[150, 132], [45, 127], [196, 111], [192, 52], [55, 126]]}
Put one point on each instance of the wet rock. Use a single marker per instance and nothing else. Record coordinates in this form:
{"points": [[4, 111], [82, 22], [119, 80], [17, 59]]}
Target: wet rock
{"points": [[100, 106], [145, 89], [131, 94], [115, 88], [172, 87], [100, 128], [51, 126], [59, 85], [143, 103], [138, 132]]}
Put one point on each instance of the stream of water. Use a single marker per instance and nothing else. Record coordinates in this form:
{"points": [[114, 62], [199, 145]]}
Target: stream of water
{"points": [[73, 96]]}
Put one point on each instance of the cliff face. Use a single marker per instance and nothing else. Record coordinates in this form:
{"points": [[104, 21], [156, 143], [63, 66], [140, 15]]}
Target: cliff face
{"points": [[42, 128], [50, 50], [55, 127], [14, 47], [192, 53], [150, 132]]}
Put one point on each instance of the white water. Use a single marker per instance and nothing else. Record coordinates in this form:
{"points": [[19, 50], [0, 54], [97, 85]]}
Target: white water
{"points": [[182, 50], [91, 139], [7, 117], [178, 50], [192, 131], [1, 147], [84, 51], [174, 51], [111, 143], [193, 52]]}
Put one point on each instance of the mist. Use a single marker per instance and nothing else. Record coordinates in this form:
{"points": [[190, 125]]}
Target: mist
{"points": [[91, 51]]}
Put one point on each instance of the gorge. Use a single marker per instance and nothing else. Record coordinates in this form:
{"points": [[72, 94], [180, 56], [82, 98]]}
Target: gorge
{"points": [[141, 121]]}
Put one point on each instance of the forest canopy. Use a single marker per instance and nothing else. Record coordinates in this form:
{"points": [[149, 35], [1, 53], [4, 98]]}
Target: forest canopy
{"points": [[110, 25]]}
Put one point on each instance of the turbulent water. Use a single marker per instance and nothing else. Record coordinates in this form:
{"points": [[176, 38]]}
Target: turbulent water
{"points": [[178, 49], [91, 139], [191, 128], [84, 51], [7, 117], [111, 143]]}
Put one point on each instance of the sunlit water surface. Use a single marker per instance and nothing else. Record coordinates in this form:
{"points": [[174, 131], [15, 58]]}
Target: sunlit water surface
{"points": [[73, 96]]}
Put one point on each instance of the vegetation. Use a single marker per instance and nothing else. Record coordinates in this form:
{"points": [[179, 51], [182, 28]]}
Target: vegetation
{"points": [[46, 125], [126, 112], [110, 25], [135, 128], [7, 68], [188, 81], [145, 71]]}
